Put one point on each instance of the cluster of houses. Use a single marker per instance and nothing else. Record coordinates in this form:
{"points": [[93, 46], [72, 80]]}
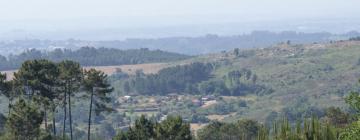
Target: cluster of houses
{"points": [[153, 104], [196, 101]]}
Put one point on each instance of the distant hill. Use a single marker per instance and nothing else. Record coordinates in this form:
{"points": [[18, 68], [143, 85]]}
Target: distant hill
{"points": [[210, 43], [304, 78], [89, 56]]}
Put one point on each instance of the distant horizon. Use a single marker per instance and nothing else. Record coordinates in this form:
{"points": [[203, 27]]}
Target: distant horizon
{"points": [[334, 26], [195, 36], [119, 19]]}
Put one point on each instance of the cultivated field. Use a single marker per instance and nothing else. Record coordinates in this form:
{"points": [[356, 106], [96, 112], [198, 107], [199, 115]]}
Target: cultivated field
{"points": [[148, 68]]}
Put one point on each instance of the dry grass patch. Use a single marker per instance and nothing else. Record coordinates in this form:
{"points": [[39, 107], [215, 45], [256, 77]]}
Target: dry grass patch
{"points": [[150, 68], [209, 103]]}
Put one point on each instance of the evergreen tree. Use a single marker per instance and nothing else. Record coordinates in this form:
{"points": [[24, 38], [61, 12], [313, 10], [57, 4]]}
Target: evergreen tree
{"points": [[352, 132], [143, 129], [95, 83], [5, 89], [70, 78], [38, 79], [24, 121], [173, 128]]}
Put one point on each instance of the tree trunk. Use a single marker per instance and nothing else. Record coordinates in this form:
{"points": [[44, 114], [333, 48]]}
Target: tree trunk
{"points": [[9, 106], [45, 116], [90, 111], [70, 118], [64, 125], [54, 125]]}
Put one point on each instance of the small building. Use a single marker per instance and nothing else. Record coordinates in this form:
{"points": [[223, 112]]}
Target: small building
{"points": [[207, 98], [127, 97]]}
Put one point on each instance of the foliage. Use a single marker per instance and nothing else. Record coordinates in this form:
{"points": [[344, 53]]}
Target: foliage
{"points": [[2, 123], [311, 129], [337, 117], [175, 79], [195, 78], [69, 78], [95, 83], [172, 128], [89, 56], [352, 132], [241, 130], [24, 121], [355, 38]]}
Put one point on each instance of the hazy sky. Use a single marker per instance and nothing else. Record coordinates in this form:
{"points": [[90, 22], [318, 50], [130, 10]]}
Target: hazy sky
{"points": [[77, 14], [69, 9]]}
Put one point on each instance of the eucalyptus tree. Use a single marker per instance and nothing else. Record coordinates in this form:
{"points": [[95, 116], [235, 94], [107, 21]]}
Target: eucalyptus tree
{"points": [[95, 83], [70, 78]]}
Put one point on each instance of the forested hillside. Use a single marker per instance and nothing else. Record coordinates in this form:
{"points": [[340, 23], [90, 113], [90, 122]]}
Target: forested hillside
{"points": [[291, 80], [89, 56], [282, 92]]}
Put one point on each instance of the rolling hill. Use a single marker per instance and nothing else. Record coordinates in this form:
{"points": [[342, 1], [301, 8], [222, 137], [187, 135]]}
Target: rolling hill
{"points": [[305, 78]]}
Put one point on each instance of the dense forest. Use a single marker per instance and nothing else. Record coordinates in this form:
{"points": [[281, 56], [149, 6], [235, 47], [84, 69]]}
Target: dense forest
{"points": [[89, 56], [194, 78]]}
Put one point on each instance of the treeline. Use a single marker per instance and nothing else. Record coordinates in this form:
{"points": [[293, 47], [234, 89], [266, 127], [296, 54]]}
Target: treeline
{"points": [[177, 79], [234, 83], [311, 129], [41, 89], [89, 56], [355, 38], [187, 45], [194, 78]]}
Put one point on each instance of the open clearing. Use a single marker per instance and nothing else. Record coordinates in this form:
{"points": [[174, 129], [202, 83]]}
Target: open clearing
{"points": [[196, 126], [209, 103], [149, 68], [220, 117]]}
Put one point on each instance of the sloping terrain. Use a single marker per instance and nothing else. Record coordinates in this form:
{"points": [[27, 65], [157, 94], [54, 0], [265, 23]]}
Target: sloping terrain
{"points": [[305, 78]]}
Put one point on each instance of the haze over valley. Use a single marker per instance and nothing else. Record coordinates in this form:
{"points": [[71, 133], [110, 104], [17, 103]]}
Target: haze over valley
{"points": [[179, 70]]}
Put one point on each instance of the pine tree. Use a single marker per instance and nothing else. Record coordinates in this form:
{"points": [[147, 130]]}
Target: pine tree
{"points": [[24, 121], [70, 77], [173, 128], [95, 83], [5, 89], [37, 78]]}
